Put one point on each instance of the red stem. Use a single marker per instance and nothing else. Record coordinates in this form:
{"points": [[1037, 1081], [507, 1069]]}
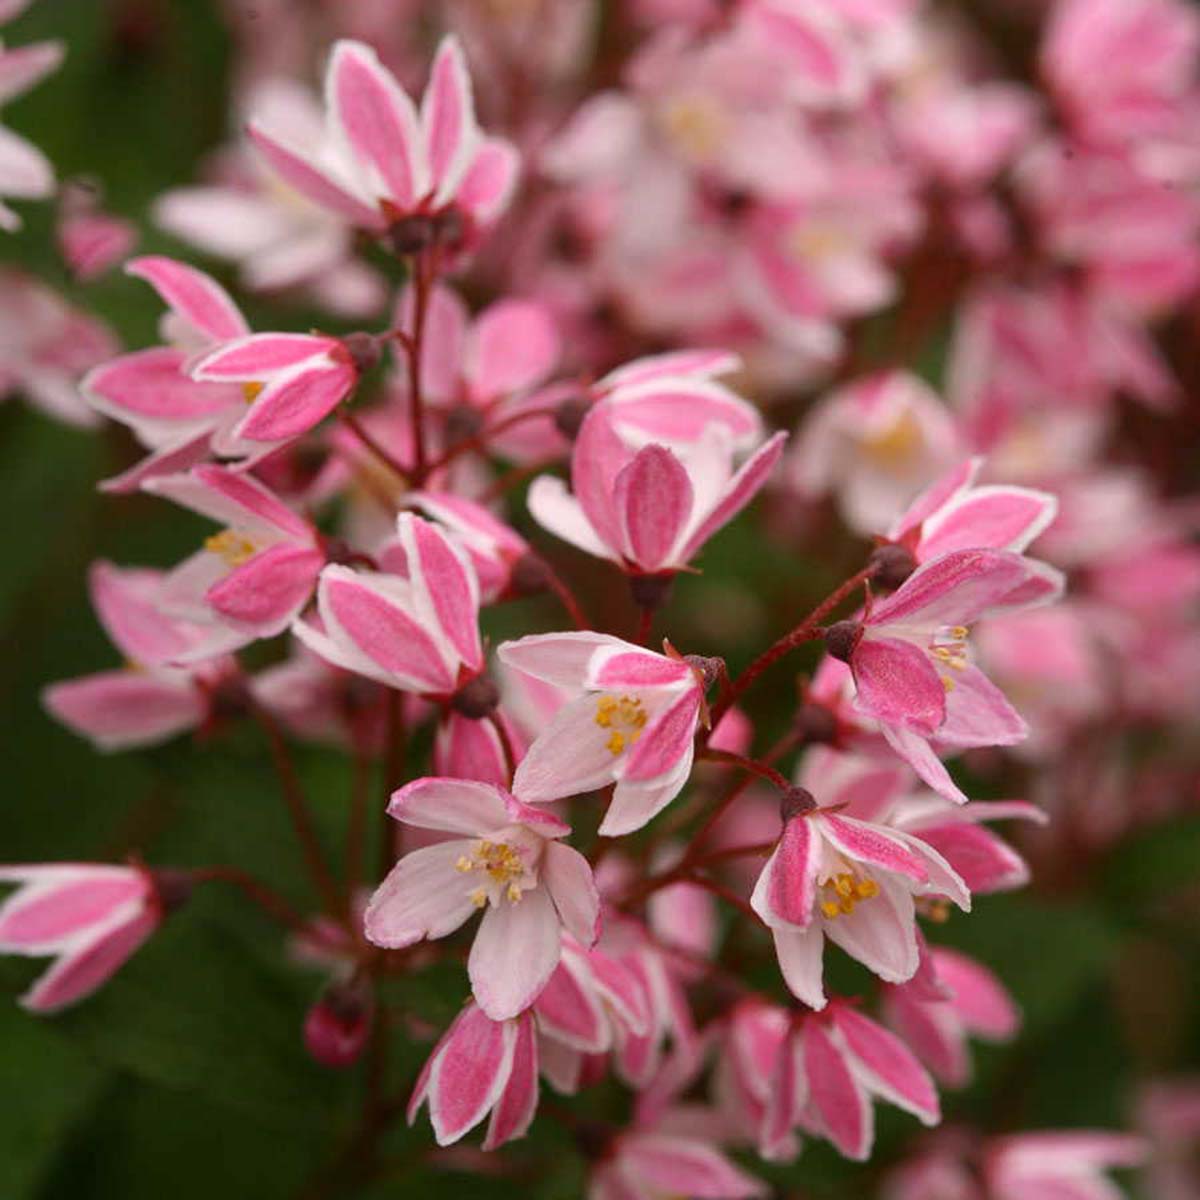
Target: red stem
{"points": [[393, 770], [567, 597], [753, 766], [270, 901], [371, 442], [414, 348], [480, 440]]}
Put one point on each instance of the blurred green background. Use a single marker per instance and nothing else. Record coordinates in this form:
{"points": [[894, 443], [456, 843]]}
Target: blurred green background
{"points": [[186, 1077]]}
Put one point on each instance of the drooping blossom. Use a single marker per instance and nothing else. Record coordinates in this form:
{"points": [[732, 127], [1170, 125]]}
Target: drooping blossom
{"points": [[480, 1066], [644, 1165], [91, 918], [1062, 1165], [828, 1072], [908, 656], [630, 719], [417, 630], [854, 882], [507, 860], [25, 172], [423, 177], [649, 509]]}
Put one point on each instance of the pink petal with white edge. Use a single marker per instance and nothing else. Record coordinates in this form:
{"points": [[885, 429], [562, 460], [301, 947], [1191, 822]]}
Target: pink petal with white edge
{"points": [[1000, 518], [565, 873], [377, 121], [977, 713], [938, 493], [568, 1010], [671, 364], [117, 710], [514, 345], [260, 356], [196, 297], [596, 461], [563, 659], [470, 749], [880, 933], [568, 756], [44, 914], [149, 389], [934, 1034], [451, 805], [917, 752], [171, 459], [801, 962], [666, 742], [979, 998], [955, 589], [792, 882], [898, 684], [515, 950], [470, 1071], [423, 896], [448, 119], [515, 1110], [886, 1066], [786, 1095], [740, 490], [838, 1099], [489, 181], [985, 862], [297, 401], [314, 182], [652, 498], [676, 1166], [232, 498], [554, 508], [126, 603], [265, 594], [680, 411], [871, 845], [89, 965], [442, 576], [624, 666]]}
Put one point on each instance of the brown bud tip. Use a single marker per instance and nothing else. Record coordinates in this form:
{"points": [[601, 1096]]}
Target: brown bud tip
{"points": [[172, 889], [462, 422], [891, 565], [477, 698], [568, 417], [363, 349], [650, 591], [842, 637], [815, 724], [530, 575], [338, 1025], [710, 668], [412, 234], [795, 802]]}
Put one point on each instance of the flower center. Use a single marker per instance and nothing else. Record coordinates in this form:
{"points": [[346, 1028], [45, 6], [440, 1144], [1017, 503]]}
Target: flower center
{"points": [[251, 391], [896, 444], [950, 650], [694, 125], [840, 893], [624, 716], [235, 548], [501, 868]]}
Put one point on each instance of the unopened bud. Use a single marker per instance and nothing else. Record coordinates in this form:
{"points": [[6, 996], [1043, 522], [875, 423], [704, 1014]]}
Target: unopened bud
{"points": [[529, 576], [363, 349], [338, 1024], [650, 592], [710, 668], [568, 417], [795, 802], [815, 724], [891, 565], [842, 637], [477, 698]]}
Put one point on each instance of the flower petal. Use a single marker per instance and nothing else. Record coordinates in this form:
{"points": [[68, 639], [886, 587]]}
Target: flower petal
{"points": [[886, 1066], [836, 1096], [196, 297], [898, 684], [451, 805], [471, 1068], [515, 950], [423, 896], [565, 873]]}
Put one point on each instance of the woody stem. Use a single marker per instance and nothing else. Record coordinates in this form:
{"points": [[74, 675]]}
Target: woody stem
{"points": [[270, 901]]}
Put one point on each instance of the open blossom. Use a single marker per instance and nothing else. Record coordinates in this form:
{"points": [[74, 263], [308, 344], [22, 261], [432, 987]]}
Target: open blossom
{"points": [[854, 882], [1063, 1165], [256, 574], [92, 918], [909, 659], [149, 700], [644, 1165], [425, 177], [506, 859], [652, 508], [25, 172], [417, 630], [936, 1016], [827, 1074], [630, 719], [479, 1066]]}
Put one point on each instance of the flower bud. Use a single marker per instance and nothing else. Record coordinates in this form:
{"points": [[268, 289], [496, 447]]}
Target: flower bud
{"points": [[477, 698], [842, 637], [891, 565], [363, 349], [338, 1024], [795, 802]]}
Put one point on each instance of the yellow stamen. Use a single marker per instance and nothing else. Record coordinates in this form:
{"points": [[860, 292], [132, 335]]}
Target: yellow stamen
{"points": [[479, 897], [251, 392], [235, 548], [625, 716], [830, 908], [844, 892]]}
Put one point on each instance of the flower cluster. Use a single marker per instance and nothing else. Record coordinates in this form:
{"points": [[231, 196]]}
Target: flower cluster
{"points": [[620, 295]]}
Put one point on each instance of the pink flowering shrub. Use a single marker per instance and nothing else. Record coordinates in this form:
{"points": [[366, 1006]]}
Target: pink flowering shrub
{"points": [[649, 557]]}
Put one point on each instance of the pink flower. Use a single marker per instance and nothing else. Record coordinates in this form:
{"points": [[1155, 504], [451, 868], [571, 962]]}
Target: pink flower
{"points": [[480, 1066], [148, 701], [25, 172], [874, 444], [424, 177], [967, 999], [46, 347], [908, 656], [92, 918], [751, 1038], [646, 1165], [1065, 1165], [854, 882], [827, 1074], [257, 573], [631, 720], [649, 509], [510, 864], [338, 1026], [416, 631], [89, 239]]}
